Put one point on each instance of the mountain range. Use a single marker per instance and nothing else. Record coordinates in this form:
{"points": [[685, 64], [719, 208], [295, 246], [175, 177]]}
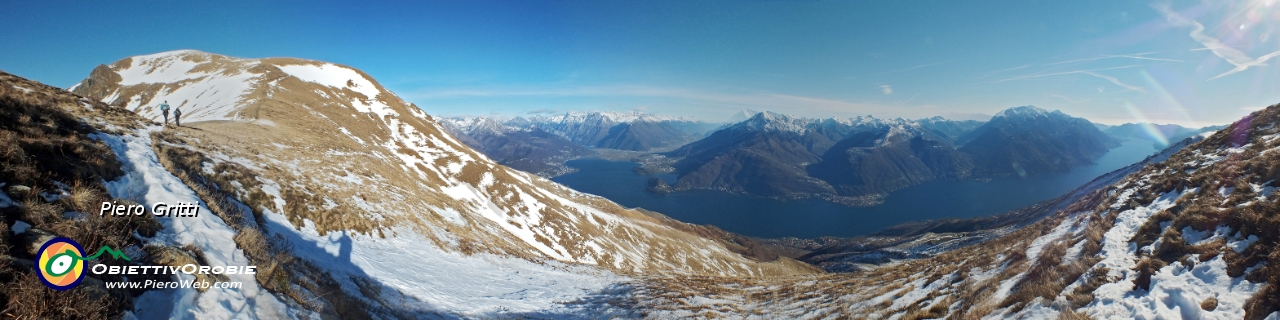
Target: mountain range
{"points": [[1188, 233], [857, 161], [542, 144], [1161, 135], [354, 203], [853, 161], [531, 150]]}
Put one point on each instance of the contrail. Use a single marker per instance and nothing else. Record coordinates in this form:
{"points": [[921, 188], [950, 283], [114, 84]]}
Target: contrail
{"points": [[1139, 56], [1235, 57], [1038, 75], [1116, 81]]}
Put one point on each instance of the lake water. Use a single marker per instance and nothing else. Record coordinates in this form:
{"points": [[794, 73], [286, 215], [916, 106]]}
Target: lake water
{"points": [[811, 218]]}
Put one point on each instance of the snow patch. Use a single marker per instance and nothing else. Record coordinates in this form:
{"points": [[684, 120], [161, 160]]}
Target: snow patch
{"points": [[478, 285], [1240, 245], [164, 67], [20, 227], [1193, 237], [1176, 293], [1033, 256], [333, 76], [147, 181], [207, 97]]}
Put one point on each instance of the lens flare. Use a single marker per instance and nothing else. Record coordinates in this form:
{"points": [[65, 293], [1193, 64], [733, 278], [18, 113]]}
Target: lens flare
{"points": [[1153, 133], [1167, 100]]}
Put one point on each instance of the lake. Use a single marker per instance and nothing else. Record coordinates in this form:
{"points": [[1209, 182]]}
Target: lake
{"points": [[811, 218]]}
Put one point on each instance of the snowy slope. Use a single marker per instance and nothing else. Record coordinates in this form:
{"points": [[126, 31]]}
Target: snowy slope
{"points": [[1187, 234], [146, 181], [375, 191], [202, 94]]}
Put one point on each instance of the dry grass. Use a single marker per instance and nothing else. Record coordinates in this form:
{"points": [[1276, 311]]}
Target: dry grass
{"points": [[45, 145], [408, 196], [1242, 211], [93, 231], [1046, 275], [25, 297], [84, 198], [279, 271], [175, 257], [1071, 314]]}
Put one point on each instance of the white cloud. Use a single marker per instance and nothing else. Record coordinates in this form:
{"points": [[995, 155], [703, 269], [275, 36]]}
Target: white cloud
{"points": [[887, 89]]}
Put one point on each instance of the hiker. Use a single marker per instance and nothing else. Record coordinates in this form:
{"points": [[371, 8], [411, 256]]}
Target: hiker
{"points": [[177, 116], [164, 109]]}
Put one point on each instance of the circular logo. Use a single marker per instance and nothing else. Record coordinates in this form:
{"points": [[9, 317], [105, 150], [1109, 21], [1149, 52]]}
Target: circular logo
{"points": [[59, 265]]}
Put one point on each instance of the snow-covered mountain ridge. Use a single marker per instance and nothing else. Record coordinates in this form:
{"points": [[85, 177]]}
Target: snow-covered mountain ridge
{"points": [[393, 201], [342, 168], [1189, 234], [615, 116], [632, 131]]}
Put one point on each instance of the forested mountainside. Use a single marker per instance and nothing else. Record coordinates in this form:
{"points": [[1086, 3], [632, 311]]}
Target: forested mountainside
{"points": [[1193, 235], [858, 161]]}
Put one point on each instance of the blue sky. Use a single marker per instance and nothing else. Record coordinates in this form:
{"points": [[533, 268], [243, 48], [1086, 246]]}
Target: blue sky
{"points": [[1109, 61]]}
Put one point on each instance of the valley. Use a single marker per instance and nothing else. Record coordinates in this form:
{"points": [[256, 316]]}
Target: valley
{"points": [[853, 162], [389, 215], [711, 159], [812, 218]]}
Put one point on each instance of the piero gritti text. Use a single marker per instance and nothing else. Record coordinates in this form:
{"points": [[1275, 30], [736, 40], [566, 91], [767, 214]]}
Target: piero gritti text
{"points": [[159, 209]]}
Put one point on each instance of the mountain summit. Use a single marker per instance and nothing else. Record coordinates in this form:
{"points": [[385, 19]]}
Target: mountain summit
{"points": [[857, 161], [1024, 112], [1027, 140], [366, 186]]}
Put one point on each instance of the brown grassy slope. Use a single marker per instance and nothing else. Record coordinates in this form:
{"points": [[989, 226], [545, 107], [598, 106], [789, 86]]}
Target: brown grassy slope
{"points": [[279, 271], [1251, 166], [45, 144], [331, 163]]}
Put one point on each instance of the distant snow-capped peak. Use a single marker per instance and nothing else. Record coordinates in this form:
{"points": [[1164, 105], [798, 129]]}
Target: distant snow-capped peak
{"points": [[472, 125], [1023, 111], [612, 116], [769, 121]]}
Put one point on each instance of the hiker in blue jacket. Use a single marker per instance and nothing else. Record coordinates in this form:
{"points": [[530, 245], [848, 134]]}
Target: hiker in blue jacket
{"points": [[164, 109]]}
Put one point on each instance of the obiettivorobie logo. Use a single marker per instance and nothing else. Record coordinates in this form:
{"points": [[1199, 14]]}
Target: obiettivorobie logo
{"points": [[60, 263]]}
